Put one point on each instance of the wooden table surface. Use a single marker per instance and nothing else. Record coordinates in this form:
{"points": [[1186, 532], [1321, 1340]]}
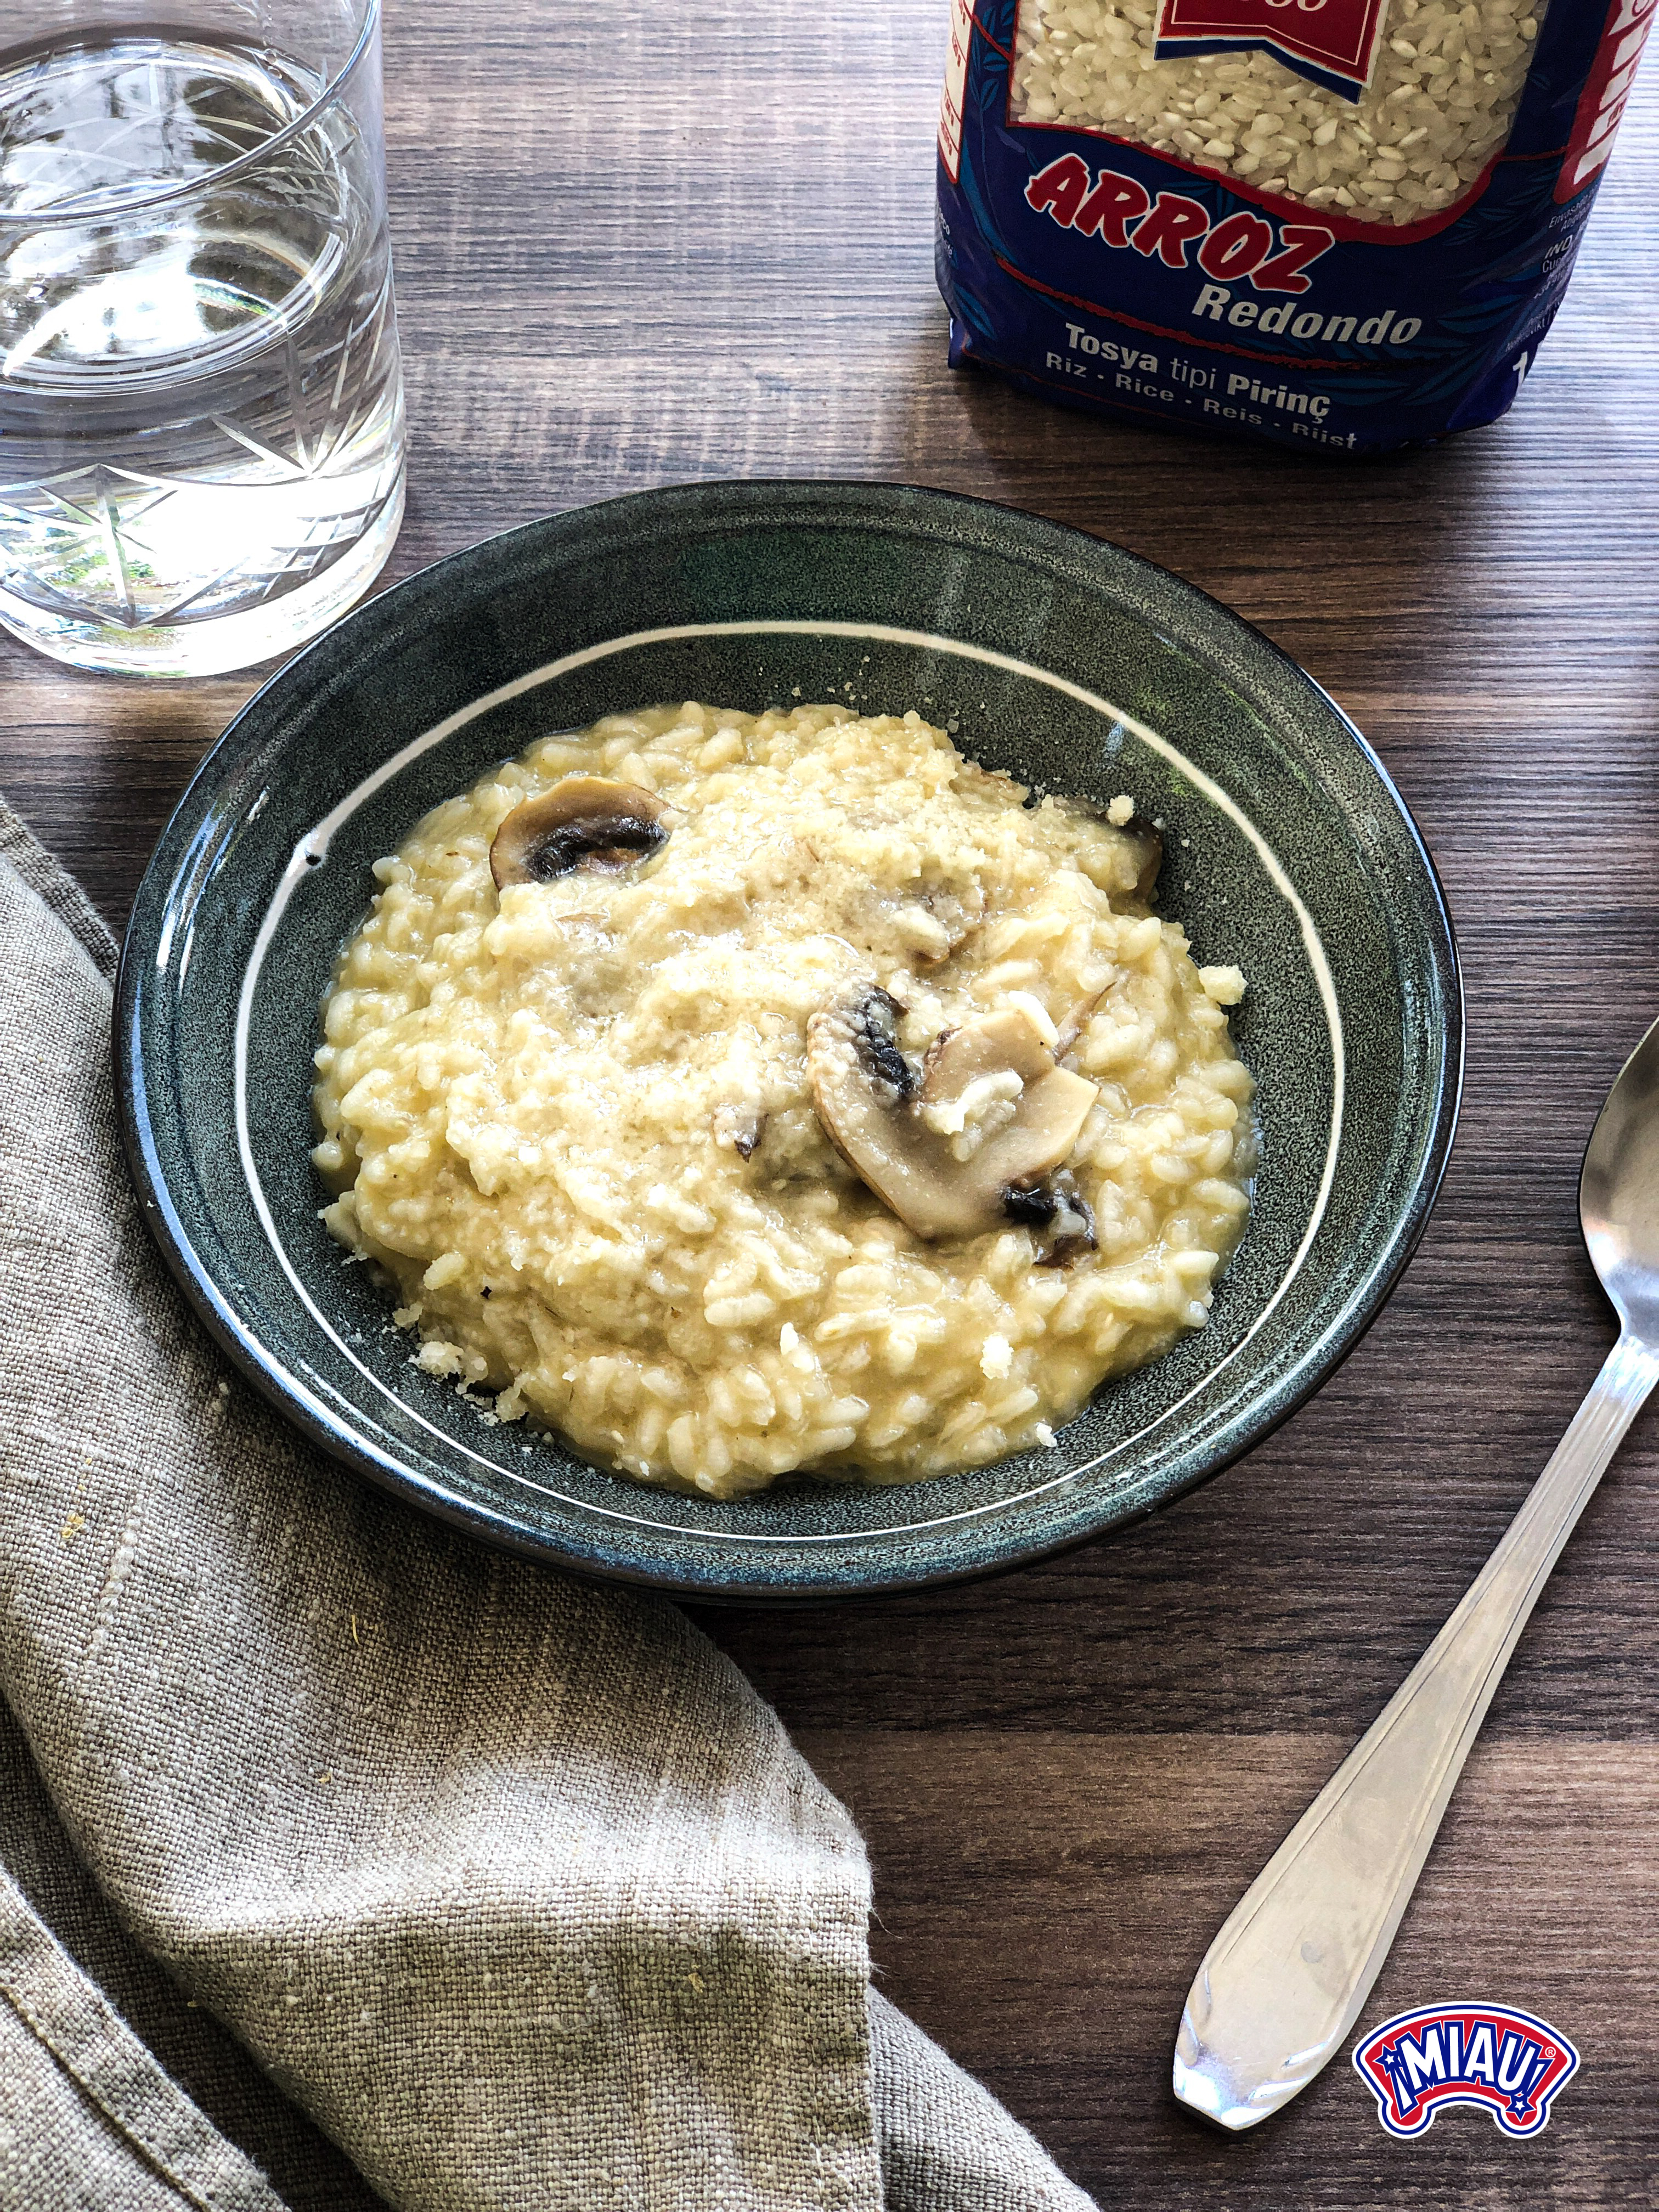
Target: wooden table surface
{"points": [[652, 242]]}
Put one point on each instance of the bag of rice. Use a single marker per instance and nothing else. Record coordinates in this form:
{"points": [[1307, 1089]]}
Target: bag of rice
{"points": [[1336, 223]]}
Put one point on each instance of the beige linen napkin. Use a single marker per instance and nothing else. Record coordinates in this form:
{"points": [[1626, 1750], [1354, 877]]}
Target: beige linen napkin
{"points": [[510, 1883]]}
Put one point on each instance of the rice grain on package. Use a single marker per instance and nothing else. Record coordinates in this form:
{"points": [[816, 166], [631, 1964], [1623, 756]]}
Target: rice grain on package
{"points": [[1345, 225]]}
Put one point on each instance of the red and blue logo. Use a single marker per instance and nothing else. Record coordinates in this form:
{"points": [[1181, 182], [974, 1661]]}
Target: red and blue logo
{"points": [[1465, 2054]]}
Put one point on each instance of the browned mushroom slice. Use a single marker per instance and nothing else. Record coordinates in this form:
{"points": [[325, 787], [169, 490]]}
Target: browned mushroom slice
{"points": [[1057, 1214], [991, 1114], [585, 822]]}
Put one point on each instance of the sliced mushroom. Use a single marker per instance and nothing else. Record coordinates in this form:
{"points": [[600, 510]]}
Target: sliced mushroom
{"points": [[1056, 1210], [934, 923], [1076, 1022], [585, 822], [1145, 841], [897, 1134], [1148, 841], [1009, 1040], [741, 1128]]}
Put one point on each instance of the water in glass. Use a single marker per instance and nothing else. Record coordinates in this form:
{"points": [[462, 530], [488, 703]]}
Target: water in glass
{"points": [[201, 413]]}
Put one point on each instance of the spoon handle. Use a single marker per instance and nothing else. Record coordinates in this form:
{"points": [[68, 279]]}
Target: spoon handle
{"points": [[1285, 1980]]}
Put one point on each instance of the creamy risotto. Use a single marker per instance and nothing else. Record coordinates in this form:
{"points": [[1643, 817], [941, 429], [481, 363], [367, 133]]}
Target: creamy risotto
{"points": [[741, 1093]]}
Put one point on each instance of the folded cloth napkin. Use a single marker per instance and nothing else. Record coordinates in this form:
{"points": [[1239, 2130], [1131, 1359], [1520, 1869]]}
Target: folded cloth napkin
{"points": [[512, 1885]]}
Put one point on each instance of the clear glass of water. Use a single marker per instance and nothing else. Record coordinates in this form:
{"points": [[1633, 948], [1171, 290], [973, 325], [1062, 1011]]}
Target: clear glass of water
{"points": [[201, 400]]}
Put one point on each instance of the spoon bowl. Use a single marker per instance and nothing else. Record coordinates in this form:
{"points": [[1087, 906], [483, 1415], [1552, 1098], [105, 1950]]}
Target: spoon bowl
{"points": [[1618, 1191]]}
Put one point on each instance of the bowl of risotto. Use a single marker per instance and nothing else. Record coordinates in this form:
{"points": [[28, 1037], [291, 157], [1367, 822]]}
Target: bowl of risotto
{"points": [[775, 1040]]}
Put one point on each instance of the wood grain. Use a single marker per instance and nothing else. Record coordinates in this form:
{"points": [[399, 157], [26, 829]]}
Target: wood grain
{"points": [[671, 241]]}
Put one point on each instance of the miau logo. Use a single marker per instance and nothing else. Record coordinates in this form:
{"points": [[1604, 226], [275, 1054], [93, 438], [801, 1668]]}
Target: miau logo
{"points": [[1465, 2054]]}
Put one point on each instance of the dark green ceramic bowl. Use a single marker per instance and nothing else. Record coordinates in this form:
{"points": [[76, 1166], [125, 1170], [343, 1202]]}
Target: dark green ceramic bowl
{"points": [[1066, 661]]}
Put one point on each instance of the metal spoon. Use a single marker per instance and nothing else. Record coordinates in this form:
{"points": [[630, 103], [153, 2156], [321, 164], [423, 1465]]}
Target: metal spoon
{"points": [[1285, 1980]]}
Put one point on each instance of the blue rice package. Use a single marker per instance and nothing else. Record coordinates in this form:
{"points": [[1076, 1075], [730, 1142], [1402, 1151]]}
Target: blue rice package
{"points": [[1335, 224]]}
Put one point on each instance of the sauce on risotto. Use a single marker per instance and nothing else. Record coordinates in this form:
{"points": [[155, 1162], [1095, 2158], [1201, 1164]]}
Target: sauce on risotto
{"points": [[746, 1094]]}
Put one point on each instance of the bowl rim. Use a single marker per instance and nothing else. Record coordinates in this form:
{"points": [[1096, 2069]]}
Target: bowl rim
{"points": [[376, 620]]}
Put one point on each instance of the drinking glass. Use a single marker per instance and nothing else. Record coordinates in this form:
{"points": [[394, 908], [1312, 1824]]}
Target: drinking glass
{"points": [[201, 399]]}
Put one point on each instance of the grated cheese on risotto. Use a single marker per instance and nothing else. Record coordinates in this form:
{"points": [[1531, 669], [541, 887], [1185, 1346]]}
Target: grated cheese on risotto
{"points": [[803, 1099]]}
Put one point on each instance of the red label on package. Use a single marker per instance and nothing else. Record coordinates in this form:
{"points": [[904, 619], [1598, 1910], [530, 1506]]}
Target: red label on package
{"points": [[1331, 42], [1602, 101]]}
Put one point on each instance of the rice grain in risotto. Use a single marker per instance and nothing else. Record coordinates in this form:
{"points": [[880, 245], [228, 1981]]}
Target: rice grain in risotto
{"points": [[802, 1099]]}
